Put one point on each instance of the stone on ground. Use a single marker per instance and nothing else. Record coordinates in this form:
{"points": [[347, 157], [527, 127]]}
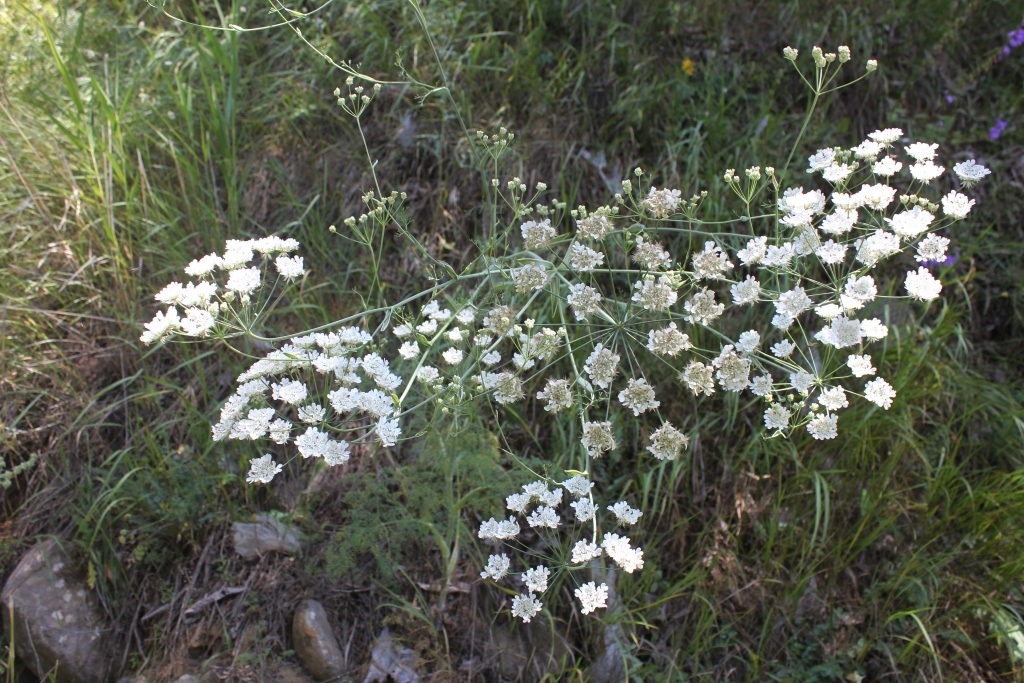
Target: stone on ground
{"points": [[315, 643], [265, 534], [59, 626]]}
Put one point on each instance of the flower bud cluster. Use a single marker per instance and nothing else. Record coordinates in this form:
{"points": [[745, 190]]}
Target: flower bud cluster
{"points": [[823, 59], [357, 99]]}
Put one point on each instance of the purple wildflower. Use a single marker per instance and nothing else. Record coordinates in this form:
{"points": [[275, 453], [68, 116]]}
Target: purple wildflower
{"points": [[997, 129], [948, 261], [1016, 39]]}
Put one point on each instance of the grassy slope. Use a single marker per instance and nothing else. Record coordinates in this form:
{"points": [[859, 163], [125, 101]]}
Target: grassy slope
{"points": [[130, 148]]}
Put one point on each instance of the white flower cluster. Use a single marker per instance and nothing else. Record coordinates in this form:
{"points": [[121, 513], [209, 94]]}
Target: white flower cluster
{"points": [[846, 242], [344, 392], [537, 504], [629, 304], [206, 308], [844, 234]]}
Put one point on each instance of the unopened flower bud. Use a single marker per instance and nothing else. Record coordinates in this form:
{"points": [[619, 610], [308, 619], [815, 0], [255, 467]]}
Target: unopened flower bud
{"points": [[754, 172], [790, 53], [844, 54], [627, 186], [872, 65], [819, 57], [541, 187], [494, 182]]}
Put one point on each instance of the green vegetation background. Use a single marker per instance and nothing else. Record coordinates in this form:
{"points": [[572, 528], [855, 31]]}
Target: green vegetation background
{"points": [[131, 143]]}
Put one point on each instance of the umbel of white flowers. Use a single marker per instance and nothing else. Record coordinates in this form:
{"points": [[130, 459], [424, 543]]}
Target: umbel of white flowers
{"points": [[272, 401], [809, 266], [537, 505]]}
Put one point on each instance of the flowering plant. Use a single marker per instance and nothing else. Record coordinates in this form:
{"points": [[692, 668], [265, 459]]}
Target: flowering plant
{"points": [[594, 313]]}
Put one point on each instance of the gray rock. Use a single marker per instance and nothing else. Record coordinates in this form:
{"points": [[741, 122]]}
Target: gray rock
{"points": [[389, 661], [609, 664], [315, 643], [265, 535], [58, 624]]}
